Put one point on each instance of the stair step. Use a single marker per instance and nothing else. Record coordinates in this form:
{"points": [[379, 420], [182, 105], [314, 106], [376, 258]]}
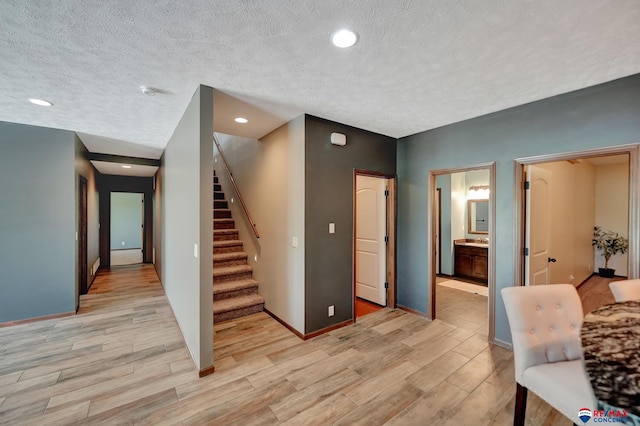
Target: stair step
{"points": [[227, 246], [221, 260], [218, 195], [235, 288], [224, 223], [217, 187], [227, 309], [225, 234], [220, 204], [222, 214], [230, 273]]}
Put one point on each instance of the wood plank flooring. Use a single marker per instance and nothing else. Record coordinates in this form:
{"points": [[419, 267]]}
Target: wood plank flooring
{"points": [[122, 360]]}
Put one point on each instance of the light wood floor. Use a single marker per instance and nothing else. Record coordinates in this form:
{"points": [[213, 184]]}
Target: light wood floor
{"points": [[122, 360]]}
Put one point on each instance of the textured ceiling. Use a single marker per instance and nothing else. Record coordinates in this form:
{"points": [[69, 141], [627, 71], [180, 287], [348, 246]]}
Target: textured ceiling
{"points": [[417, 65]]}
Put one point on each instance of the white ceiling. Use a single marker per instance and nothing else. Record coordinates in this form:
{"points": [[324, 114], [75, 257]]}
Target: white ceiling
{"points": [[417, 65]]}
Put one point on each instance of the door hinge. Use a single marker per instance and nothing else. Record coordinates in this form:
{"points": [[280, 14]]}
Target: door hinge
{"points": [[386, 192], [386, 285], [527, 184], [386, 239], [526, 251]]}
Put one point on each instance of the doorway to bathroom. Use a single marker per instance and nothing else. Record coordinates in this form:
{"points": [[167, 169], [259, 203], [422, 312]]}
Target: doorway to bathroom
{"points": [[461, 223]]}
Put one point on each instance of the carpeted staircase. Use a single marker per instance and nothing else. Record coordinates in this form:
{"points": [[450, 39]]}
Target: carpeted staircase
{"points": [[235, 292]]}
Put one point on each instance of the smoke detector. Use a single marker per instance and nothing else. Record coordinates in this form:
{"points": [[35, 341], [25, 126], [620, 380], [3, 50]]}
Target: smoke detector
{"points": [[147, 90]]}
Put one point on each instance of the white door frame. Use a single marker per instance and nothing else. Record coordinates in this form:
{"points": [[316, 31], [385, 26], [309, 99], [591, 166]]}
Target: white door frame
{"points": [[431, 232], [634, 202]]}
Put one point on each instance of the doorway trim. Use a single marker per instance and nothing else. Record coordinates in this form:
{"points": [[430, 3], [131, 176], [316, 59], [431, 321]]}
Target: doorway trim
{"points": [[431, 225], [83, 191], [392, 226], [634, 207]]}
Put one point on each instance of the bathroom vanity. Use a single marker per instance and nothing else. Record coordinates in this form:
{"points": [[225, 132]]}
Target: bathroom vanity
{"points": [[470, 260]]}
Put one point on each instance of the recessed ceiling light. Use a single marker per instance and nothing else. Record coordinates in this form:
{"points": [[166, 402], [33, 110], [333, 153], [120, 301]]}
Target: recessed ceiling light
{"points": [[344, 38], [126, 167], [40, 102], [240, 120]]}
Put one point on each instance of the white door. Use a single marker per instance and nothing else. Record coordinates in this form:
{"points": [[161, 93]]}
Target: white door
{"points": [[538, 226], [371, 248]]}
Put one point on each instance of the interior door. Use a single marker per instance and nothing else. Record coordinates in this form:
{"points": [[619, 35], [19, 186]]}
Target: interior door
{"points": [[538, 226], [371, 228]]}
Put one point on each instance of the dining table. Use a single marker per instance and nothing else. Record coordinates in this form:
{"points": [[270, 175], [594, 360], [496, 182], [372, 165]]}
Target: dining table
{"points": [[610, 338]]}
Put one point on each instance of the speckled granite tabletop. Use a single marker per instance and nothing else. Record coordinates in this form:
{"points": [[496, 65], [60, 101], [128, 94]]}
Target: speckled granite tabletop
{"points": [[611, 343]]}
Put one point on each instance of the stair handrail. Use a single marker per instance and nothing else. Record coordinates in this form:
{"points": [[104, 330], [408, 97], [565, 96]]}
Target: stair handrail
{"points": [[235, 187]]}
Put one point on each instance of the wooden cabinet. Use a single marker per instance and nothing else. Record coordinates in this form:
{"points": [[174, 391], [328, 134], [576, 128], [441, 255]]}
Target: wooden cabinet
{"points": [[471, 262]]}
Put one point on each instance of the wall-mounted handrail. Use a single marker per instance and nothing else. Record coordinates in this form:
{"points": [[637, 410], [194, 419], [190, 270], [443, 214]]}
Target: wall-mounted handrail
{"points": [[235, 187]]}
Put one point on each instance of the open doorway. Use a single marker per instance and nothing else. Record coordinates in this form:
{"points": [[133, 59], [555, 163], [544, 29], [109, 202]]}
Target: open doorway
{"points": [[563, 200], [461, 224], [127, 219], [374, 242]]}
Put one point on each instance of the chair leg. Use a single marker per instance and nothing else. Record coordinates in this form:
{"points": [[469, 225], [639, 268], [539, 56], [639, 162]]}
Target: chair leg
{"points": [[521, 405]]}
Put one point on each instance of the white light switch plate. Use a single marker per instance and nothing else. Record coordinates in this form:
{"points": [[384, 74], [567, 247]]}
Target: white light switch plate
{"points": [[332, 228], [294, 241], [195, 251]]}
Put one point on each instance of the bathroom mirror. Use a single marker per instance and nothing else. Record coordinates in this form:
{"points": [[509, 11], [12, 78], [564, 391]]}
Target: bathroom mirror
{"points": [[478, 214]]}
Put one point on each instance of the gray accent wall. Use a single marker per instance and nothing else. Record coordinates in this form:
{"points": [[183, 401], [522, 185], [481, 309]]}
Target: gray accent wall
{"points": [[187, 220], [601, 116], [37, 222], [329, 179], [126, 221]]}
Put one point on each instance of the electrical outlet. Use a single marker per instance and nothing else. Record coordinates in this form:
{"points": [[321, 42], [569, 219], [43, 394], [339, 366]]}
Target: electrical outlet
{"points": [[123, 243], [294, 241], [332, 310]]}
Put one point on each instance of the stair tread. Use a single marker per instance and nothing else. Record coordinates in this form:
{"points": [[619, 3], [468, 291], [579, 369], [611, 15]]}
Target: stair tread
{"points": [[234, 285], [240, 302], [223, 219], [227, 243], [229, 256], [225, 231], [230, 270]]}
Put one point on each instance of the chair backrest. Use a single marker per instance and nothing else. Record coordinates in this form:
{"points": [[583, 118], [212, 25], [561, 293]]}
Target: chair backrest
{"points": [[625, 290], [545, 323]]}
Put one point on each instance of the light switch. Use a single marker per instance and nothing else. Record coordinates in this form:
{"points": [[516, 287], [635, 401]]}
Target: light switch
{"points": [[332, 228], [195, 251], [294, 241]]}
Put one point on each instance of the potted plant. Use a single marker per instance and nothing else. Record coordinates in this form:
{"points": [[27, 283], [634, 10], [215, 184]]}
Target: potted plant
{"points": [[609, 243]]}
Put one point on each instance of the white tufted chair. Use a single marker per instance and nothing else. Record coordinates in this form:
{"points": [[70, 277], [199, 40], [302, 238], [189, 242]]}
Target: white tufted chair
{"points": [[625, 290], [545, 323]]}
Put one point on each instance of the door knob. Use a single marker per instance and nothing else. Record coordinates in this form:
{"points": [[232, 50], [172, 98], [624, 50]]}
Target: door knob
{"points": [[551, 260]]}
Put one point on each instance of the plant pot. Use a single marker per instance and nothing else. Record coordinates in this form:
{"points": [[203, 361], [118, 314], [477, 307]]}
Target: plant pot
{"points": [[606, 272]]}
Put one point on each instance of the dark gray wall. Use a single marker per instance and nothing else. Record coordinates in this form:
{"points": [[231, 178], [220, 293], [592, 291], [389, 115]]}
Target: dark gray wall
{"points": [[329, 175], [37, 222], [600, 116]]}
